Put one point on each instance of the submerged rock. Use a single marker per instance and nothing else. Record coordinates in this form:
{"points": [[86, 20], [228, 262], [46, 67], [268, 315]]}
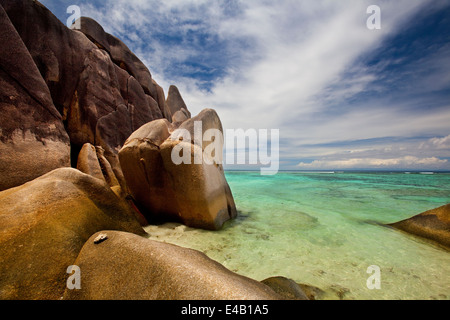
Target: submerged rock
{"points": [[287, 288], [433, 225], [290, 290], [130, 267], [45, 223]]}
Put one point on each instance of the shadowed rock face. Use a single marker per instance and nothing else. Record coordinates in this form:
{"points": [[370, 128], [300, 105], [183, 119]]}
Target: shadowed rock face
{"points": [[44, 224], [198, 195], [287, 288], [433, 224], [62, 88], [33, 140], [120, 54], [128, 267]]}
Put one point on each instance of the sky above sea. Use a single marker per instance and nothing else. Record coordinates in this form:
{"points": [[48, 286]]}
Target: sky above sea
{"points": [[342, 96]]}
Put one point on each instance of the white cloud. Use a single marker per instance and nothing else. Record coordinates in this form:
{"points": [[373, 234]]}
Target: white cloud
{"points": [[294, 66], [288, 60], [408, 162], [377, 122], [437, 143], [402, 154]]}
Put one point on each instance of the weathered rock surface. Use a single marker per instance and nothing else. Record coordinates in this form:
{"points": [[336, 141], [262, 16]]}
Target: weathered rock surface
{"points": [[72, 87], [196, 194], [129, 267], [72, 98], [94, 31], [62, 86], [433, 225], [120, 54], [143, 169], [174, 103], [44, 224], [107, 170], [33, 140], [91, 160]]}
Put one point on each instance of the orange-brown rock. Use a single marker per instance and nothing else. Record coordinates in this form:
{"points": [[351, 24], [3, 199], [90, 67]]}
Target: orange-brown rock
{"points": [[143, 169], [433, 225], [88, 162], [91, 160], [44, 224], [125, 266], [197, 194], [200, 190]]}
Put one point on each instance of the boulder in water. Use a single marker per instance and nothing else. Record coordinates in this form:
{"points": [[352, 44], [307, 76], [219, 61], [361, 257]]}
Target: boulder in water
{"points": [[433, 225]]}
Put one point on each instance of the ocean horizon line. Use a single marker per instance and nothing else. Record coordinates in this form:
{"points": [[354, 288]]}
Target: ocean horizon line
{"points": [[348, 171]]}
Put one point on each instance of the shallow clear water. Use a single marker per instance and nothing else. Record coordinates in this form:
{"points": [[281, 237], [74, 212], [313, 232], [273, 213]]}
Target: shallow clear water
{"points": [[325, 230]]}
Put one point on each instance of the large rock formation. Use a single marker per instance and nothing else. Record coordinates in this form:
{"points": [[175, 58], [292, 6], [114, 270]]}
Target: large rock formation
{"points": [[128, 267], [91, 160], [44, 224], [433, 225], [33, 140], [86, 87], [195, 193], [71, 98], [62, 86], [120, 54], [290, 290]]}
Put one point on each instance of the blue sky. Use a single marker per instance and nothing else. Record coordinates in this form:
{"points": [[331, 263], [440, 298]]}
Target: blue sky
{"points": [[342, 96]]}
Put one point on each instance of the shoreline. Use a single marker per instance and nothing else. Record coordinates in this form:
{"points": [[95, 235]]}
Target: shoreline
{"points": [[259, 244]]}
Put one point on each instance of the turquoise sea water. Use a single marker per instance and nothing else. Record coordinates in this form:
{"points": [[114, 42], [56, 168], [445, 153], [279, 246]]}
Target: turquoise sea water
{"points": [[326, 229]]}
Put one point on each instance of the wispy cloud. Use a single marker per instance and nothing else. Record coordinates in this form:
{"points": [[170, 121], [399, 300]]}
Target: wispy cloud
{"points": [[418, 154], [408, 162], [309, 68], [441, 144]]}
